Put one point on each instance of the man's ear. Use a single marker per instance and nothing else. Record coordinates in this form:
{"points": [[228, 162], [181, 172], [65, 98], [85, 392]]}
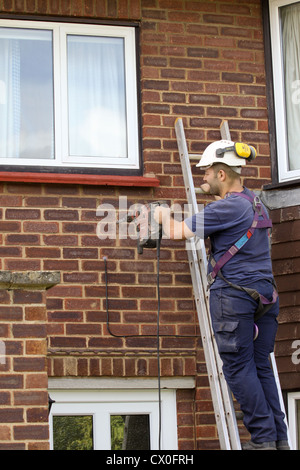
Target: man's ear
{"points": [[222, 175]]}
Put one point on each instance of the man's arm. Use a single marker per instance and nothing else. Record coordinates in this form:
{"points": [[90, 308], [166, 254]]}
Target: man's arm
{"points": [[172, 228]]}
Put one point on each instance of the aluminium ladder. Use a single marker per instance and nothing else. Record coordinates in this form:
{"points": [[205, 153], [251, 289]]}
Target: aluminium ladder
{"points": [[221, 395]]}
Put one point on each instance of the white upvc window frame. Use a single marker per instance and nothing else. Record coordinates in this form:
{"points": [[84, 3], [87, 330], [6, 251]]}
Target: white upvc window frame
{"points": [[284, 174], [62, 158], [293, 398], [101, 404]]}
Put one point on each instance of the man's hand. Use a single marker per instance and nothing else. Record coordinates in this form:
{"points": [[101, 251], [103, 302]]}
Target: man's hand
{"points": [[205, 188]]}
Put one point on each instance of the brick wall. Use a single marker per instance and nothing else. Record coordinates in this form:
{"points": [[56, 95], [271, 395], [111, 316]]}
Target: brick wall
{"points": [[202, 61]]}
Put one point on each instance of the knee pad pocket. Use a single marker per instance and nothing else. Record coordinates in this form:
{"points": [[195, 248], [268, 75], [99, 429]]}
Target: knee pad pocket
{"points": [[226, 336]]}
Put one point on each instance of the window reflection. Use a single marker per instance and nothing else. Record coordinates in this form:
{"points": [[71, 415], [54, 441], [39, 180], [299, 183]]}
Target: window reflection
{"points": [[130, 432], [26, 94], [73, 432]]}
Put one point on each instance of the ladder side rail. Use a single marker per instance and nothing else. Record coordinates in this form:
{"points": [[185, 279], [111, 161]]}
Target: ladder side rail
{"points": [[188, 179], [276, 375], [211, 364]]}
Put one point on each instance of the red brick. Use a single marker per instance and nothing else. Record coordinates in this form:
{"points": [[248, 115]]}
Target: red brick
{"points": [[6, 226], [58, 214], [94, 367], [79, 228], [8, 200], [22, 239], [35, 252], [41, 227], [22, 214], [41, 201], [34, 313], [36, 380], [37, 415], [29, 364], [105, 343], [31, 397], [67, 342], [11, 415], [31, 432], [27, 297], [83, 253], [11, 381], [5, 433], [60, 240]]}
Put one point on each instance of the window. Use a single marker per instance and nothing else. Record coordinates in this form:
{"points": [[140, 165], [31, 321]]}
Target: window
{"points": [[285, 43], [68, 97], [294, 418], [112, 420]]}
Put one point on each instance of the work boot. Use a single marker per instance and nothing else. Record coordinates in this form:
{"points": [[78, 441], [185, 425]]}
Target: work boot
{"points": [[282, 445], [259, 446]]}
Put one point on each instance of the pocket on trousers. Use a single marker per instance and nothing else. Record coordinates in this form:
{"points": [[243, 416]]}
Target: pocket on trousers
{"points": [[226, 336]]}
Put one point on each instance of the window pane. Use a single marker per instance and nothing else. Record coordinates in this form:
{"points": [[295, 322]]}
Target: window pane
{"points": [[130, 432], [96, 97], [290, 21], [26, 94], [73, 432]]}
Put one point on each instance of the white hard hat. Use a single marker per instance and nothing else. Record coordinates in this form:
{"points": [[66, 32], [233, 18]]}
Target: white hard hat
{"points": [[230, 158]]}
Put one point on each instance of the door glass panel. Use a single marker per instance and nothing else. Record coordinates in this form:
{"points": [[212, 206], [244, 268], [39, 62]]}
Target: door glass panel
{"points": [[130, 432], [73, 432]]}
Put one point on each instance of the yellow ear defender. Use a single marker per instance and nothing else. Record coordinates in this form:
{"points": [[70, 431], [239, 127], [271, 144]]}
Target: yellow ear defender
{"points": [[241, 150]]}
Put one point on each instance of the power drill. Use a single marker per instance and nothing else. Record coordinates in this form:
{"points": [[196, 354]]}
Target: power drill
{"points": [[149, 231]]}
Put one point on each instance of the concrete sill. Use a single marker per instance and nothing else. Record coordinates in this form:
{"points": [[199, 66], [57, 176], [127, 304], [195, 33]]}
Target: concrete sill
{"points": [[32, 280]]}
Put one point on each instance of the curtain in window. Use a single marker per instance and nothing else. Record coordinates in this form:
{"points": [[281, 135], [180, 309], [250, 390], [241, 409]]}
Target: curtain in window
{"points": [[10, 109], [26, 94], [96, 97], [290, 17]]}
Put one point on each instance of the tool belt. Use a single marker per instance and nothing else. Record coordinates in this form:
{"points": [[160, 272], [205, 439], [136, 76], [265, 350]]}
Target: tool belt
{"points": [[265, 223]]}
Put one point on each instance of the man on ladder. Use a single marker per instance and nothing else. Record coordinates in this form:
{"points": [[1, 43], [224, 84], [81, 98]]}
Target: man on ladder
{"points": [[243, 298]]}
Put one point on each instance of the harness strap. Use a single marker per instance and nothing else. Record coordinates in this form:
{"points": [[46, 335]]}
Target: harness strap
{"points": [[263, 303], [256, 223]]}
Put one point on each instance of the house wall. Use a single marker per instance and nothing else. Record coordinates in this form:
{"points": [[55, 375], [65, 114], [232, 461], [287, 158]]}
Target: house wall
{"points": [[199, 60]]}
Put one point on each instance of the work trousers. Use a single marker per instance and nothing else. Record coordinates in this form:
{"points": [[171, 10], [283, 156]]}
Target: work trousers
{"points": [[246, 364]]}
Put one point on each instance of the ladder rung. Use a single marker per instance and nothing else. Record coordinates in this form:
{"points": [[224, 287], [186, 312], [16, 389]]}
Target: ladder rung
{"points": [[194, 156]]}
